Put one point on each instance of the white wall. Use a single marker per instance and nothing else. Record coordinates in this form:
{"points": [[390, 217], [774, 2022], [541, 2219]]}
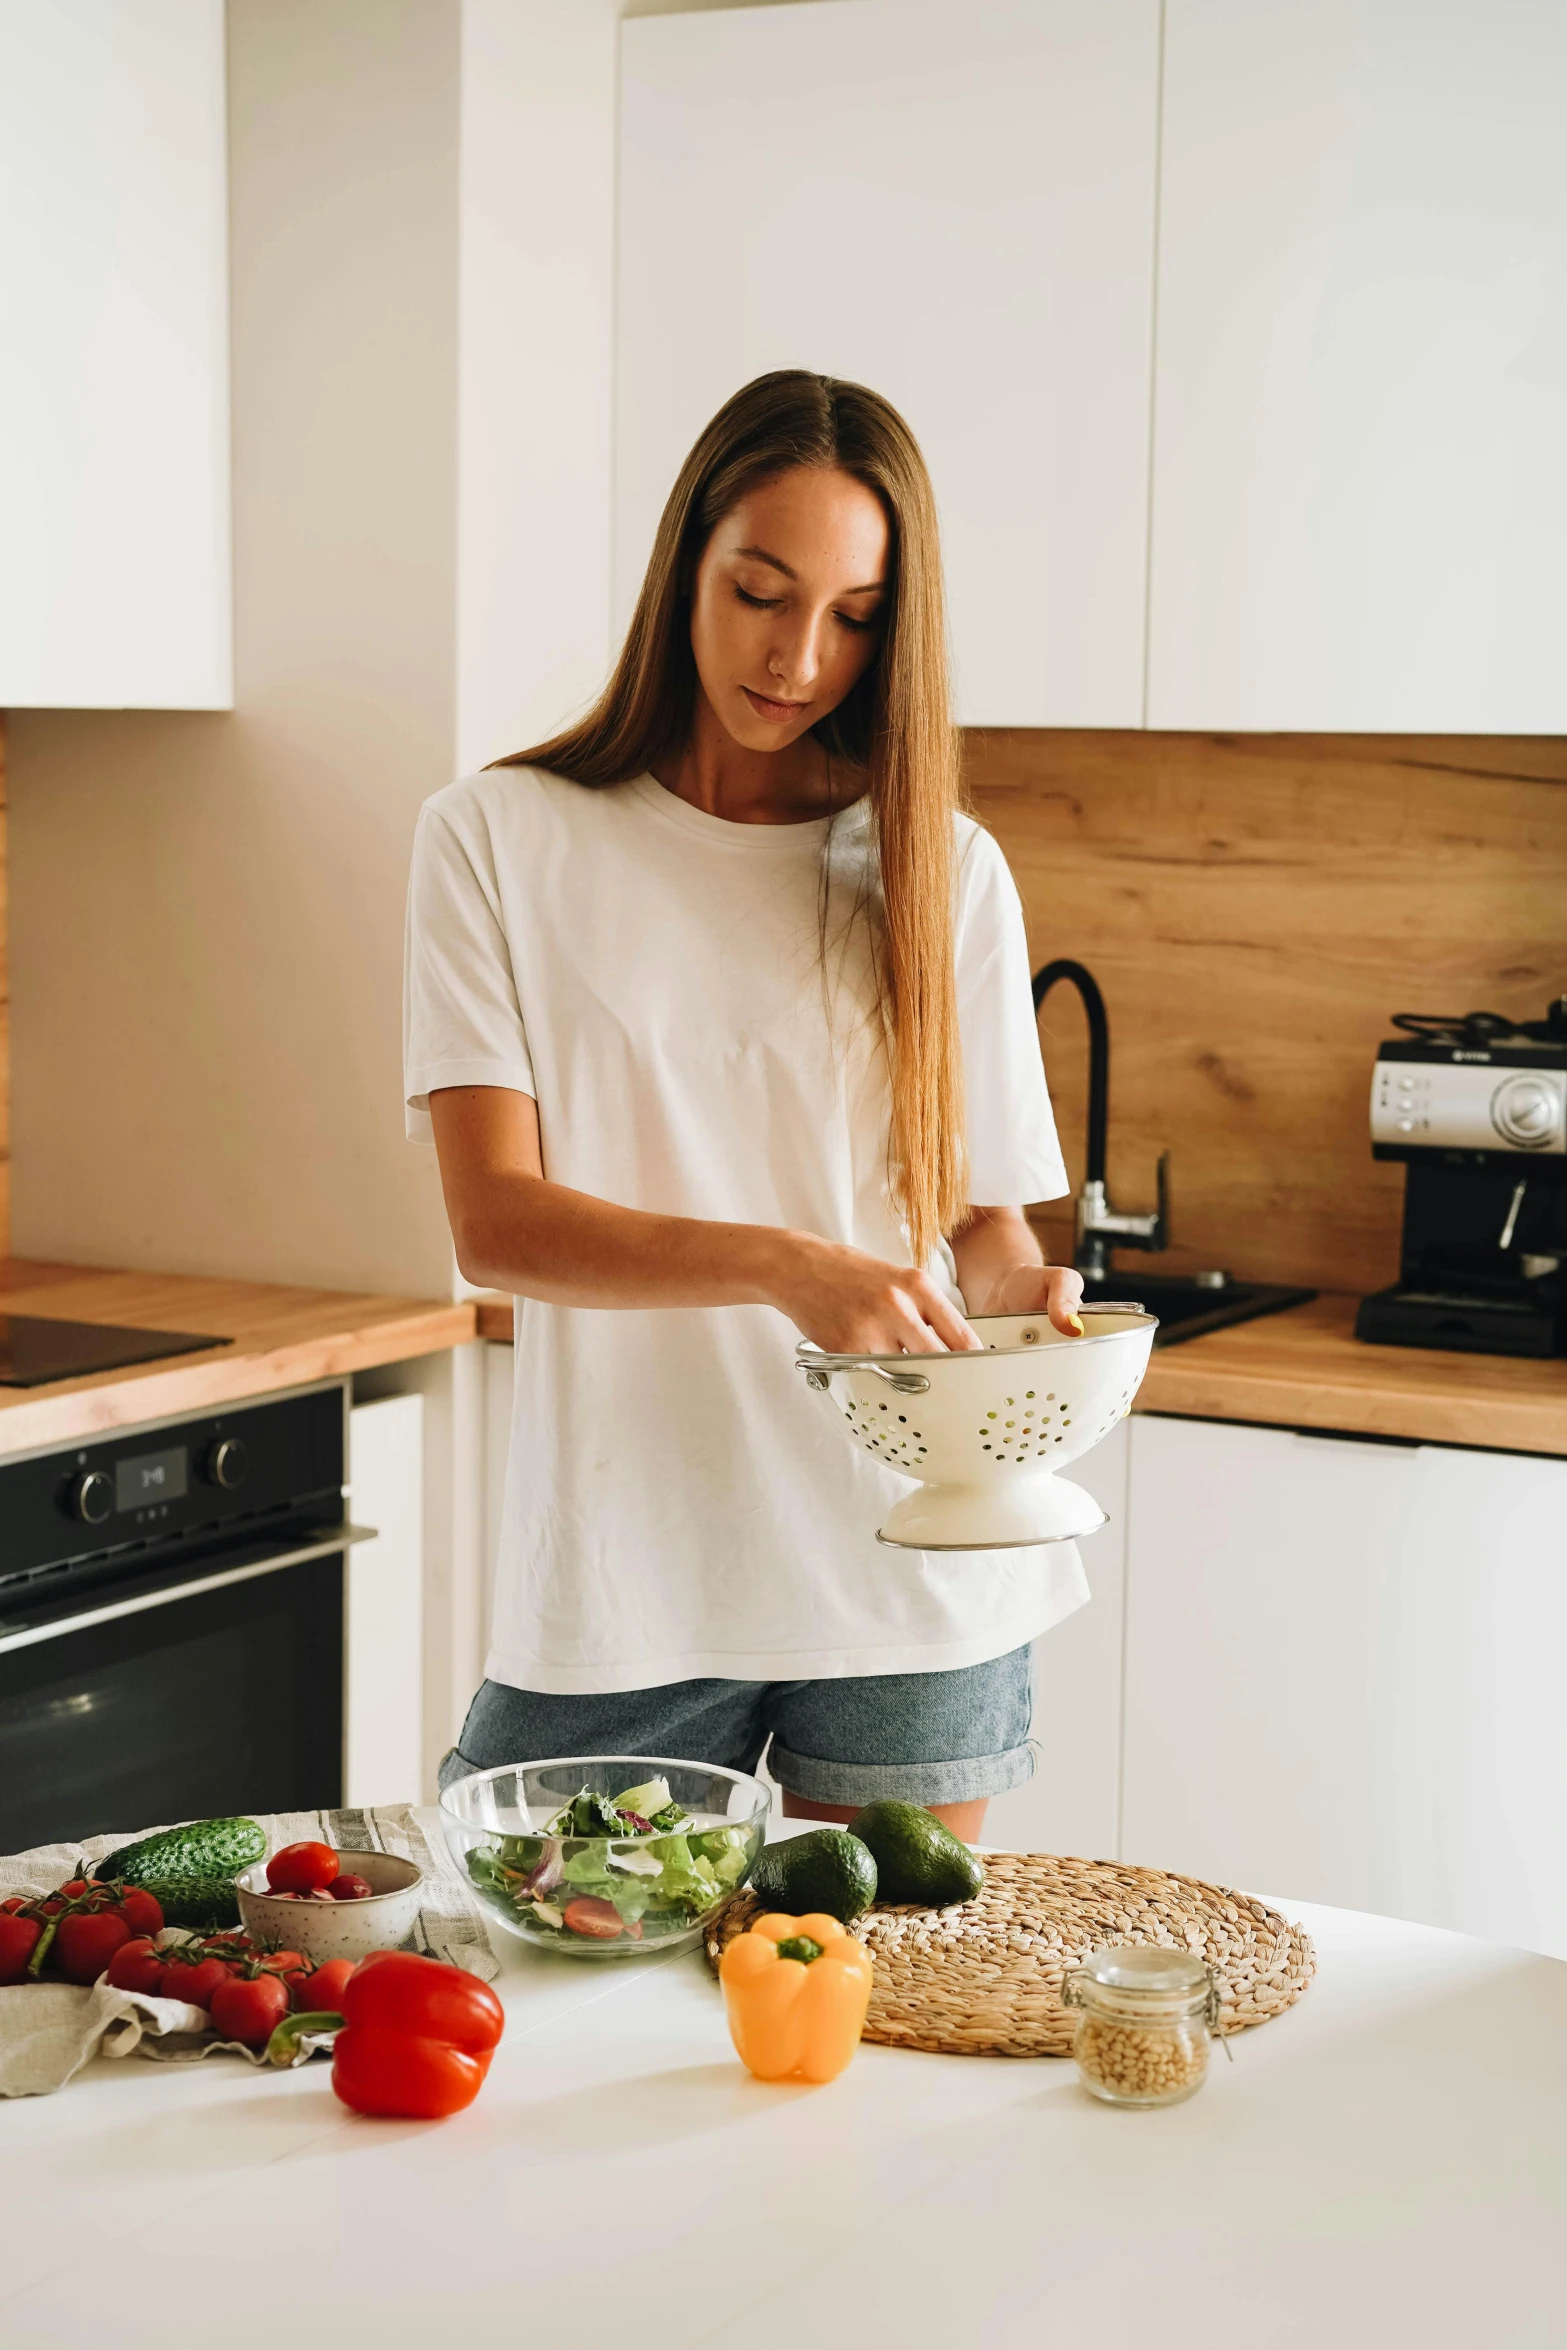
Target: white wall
{"points": [[207, 910]]}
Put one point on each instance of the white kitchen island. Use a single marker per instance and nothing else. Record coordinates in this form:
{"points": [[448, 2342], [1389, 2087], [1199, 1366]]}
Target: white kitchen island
{"points": [[1386, 2164]]}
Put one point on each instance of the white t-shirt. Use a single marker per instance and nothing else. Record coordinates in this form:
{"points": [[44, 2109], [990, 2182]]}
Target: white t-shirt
{"points": [[678, 1504]]}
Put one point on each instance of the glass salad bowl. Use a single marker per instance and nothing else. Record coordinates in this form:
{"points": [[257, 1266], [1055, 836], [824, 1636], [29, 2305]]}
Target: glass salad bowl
{"points": [[605, 1856]]}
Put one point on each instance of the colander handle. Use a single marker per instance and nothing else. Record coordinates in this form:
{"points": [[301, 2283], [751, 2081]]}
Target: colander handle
{"points": [[818, 1373]]}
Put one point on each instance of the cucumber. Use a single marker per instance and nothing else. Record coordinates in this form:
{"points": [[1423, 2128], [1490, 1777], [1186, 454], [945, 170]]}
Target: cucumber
{"points": [[203, 1903], [202, 1852]]}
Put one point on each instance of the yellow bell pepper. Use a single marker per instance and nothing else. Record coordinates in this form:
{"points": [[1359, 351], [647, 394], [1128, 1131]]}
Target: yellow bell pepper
{"points": [[796, 1991]]}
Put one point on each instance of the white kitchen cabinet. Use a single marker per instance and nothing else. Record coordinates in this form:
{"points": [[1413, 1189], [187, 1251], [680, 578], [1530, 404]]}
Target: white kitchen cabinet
{"points": [[1344, 1673], [499, 1388], [955, 206], [383, 1604], [1360, 431], [114, 502], [1072, 1801]]}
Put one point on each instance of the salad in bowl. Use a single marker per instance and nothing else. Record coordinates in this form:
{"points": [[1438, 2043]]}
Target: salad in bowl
{"points": [[605, 1856]]}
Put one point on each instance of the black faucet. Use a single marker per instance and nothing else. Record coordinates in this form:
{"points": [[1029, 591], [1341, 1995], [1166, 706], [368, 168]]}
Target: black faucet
{"points": [[1098, 1226]]}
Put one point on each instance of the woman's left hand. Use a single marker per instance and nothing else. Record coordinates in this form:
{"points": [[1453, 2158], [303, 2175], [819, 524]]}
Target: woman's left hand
{"points": [[1055, 1290], [1001, 1270]]}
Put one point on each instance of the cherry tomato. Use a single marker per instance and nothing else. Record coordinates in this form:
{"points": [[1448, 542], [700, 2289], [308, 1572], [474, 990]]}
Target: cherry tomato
{"points": [[194, 1981], [300, 1868], [141, 1912], [86, 1941], [9, 1908], [350, 1888], [138, 1966], [588, 1915], [247, 2007], [18, 1937], [288, 1965], [321, 1992]]}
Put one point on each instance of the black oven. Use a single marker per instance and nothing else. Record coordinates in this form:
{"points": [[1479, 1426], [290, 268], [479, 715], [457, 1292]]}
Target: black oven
{"points": [[171, 1623]]}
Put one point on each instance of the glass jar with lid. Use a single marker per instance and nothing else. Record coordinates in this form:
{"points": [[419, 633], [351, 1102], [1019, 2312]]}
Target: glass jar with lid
{"points": [[1143, 2024]]}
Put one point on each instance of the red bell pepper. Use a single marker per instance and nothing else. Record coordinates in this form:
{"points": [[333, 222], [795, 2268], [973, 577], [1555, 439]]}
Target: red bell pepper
{"points": [[416, 2039]]}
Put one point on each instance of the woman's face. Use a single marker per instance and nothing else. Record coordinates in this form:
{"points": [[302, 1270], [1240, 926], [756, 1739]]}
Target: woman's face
{"points": [[786, 613]]}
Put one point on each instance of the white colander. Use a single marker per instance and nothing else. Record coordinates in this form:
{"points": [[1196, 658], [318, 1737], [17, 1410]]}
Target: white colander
{"points": [[985, 1433]]}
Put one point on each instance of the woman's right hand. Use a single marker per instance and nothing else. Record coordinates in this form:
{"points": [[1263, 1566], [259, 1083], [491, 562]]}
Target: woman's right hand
{"points": [[849, 1303]]}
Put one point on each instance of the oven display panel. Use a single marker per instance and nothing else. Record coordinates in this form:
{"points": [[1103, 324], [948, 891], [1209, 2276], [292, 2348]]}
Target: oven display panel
{"points": [[150, 1478]]}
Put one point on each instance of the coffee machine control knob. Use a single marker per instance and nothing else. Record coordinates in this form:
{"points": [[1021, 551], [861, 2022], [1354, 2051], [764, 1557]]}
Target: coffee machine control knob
{"points": [[91, 1497], [226, 1462], [1526, 1111]]}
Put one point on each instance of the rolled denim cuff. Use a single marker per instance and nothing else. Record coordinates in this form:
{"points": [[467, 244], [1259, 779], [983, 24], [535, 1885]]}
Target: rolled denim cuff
{"points": [[925, 1783]]}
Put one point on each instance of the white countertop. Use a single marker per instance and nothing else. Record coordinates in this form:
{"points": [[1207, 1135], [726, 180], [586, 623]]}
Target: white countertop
{"points": [[1386, 2164]]}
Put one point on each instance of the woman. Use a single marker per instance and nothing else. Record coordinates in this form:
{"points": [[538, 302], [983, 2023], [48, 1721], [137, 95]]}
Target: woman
{"points": [[718, 1014]]}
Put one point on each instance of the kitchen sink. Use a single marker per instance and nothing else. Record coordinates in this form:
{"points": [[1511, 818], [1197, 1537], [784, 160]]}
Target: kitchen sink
{"points": [[1188, 1306]]}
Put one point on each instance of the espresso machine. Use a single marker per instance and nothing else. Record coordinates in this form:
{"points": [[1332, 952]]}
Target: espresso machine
{"points": [[1476, 1108]]}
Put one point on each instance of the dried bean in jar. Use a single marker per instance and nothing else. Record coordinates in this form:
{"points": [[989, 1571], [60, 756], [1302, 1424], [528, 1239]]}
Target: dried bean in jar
{"points": [[1144, 2018]]}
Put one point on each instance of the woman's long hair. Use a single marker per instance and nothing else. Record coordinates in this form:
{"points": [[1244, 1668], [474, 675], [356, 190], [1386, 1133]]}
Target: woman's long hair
{"points": [[895, 727]]}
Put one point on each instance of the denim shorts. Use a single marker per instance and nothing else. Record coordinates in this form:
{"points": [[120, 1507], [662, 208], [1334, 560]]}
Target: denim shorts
{"points": [[923, 1737]]}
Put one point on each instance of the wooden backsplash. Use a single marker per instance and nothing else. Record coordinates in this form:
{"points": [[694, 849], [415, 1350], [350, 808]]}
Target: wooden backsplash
{"points": [[1254, 908]]}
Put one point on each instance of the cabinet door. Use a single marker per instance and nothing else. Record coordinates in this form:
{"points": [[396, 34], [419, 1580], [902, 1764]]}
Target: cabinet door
{"points": [[383, 1665], [1360, 468], [114, 538], [499, 1390], [1343, 1674], [955, 206], [1071, 1803]]}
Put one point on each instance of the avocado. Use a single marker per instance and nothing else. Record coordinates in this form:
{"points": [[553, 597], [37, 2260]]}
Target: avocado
{"points": [[828, 1870], [917, 1859]]}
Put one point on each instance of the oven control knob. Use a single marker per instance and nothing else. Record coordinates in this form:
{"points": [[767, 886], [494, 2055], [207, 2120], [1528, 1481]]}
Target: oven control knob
{"points": [[226, 1462], [92, 1497]]}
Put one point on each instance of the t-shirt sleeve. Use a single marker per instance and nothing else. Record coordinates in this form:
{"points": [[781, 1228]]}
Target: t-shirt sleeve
{"points": [[462, 1022], [1014, 1155]]}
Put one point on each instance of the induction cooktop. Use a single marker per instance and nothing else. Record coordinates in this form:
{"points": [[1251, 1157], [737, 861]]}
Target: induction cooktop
{"points": [[34, 1348]]}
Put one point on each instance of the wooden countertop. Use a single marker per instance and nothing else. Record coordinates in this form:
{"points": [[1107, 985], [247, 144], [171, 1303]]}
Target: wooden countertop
{"points": [[493, 1314], [281, 1338], [1306, 1369]]}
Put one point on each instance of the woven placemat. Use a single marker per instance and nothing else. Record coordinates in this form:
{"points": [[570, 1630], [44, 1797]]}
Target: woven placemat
{"points": [[984, 1979]]}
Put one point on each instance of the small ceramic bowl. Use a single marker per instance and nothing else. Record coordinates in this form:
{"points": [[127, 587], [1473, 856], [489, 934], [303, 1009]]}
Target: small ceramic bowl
{"points": [[336, 1929]]}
